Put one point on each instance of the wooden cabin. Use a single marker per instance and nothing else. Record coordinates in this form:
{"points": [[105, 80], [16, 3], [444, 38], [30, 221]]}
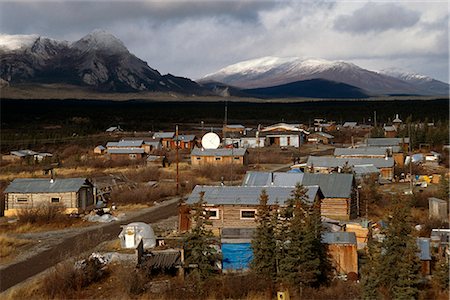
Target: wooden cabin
{"points": [[236, 206], [165, 138], [342, 250], [185, 141], [126, 153], [75, 194], [223, 156], [99, 149], [320, 138]]}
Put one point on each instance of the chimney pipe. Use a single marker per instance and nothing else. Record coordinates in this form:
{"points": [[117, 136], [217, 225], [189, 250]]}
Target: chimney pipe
{"points": [[271, 178], [52, 176]]}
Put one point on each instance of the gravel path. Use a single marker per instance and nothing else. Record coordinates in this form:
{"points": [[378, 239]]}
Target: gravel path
{"points": [[61, 245]]}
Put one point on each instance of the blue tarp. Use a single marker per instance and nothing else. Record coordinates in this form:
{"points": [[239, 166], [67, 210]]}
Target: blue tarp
{"points": [[294, 171], [236, 256]]}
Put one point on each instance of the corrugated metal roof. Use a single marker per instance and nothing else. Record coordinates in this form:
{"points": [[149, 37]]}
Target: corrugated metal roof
{"points": [[163, 135], [332, 185], [39, 185], [185, 137], [387, 141], [349, 124], [274, 178], [23, 153], [245, 195], [381, 151], [100, 147], [154, 143], [219, 152], [365, 169], [333, 162], [111, 144], [328, 136], [389, 128], [339, 237], [437, 200], [424, 248], [126, 151], [130, 143], [393, 149], [235, 126]]}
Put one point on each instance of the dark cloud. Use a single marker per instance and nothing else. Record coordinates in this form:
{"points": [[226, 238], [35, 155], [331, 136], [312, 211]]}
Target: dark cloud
{"points": [[56, 18], [377, 17]]}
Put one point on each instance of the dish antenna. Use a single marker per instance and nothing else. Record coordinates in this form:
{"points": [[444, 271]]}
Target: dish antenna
{"points": [[210, 141]]}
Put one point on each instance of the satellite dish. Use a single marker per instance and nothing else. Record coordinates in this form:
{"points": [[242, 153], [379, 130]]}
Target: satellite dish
{"points": [[210, 141]]}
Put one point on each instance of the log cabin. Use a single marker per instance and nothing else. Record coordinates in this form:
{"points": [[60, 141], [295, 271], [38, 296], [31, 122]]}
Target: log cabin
{"points": [[223, 156]]}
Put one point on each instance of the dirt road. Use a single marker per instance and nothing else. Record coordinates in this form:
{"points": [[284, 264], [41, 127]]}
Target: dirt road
{"points": [[72, 246]]}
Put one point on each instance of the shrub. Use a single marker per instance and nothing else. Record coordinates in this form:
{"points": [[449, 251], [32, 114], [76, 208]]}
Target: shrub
{"points": [[143, 194], [42, 214], [227, 172]]}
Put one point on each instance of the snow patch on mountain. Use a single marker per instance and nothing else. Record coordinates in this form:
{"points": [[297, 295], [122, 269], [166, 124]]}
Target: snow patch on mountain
{"points": [[15, 42], [100, 40], [405, 75]]}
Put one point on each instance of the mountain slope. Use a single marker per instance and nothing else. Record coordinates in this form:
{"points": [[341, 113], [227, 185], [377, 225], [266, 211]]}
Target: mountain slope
{"points": [[98, 60], [273, 71], [313, 88]]}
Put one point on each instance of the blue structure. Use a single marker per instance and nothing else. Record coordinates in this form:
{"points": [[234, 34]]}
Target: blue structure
{"points": [[236, 256]]}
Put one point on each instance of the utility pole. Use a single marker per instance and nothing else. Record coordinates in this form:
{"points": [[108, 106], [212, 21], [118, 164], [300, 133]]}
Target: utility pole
{"points": [[374, 118], [177, 159], [410, 159]]}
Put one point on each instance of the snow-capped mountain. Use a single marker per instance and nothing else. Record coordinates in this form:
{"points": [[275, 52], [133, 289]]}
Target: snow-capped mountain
{"points": [[98, 60], [274, 71]]}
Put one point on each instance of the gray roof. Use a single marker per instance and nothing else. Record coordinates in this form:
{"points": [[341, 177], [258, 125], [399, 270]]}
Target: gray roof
{"points": [[365, 169], [424, 248], [332, 185], [130, 143], [113, 128], [185, 137], [272, 178], [362, 151], [219, 152], [23, 153], [339, 238], [100, 147], [349, 124], [237, 233], [386, 141], [328, 136], [245, 195], [235, 126], [334, 162], [389, 128], [434, 199], [163, 135], [126, 151], [43, 185], [112, 144]]}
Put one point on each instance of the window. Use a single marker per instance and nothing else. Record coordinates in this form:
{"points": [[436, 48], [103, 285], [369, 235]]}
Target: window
{"points": [[248, 214], [22, 199], [132, 156], [217, 158], [55, 200], [213, 213], [236, 157], [198, 158]]}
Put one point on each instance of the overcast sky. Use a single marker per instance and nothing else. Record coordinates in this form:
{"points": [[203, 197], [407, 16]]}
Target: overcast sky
{"points": [[194, 38]]}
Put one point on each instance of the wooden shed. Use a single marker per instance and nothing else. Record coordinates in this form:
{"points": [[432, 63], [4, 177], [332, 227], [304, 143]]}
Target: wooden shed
{"points": [[438, 209], [223, 156], [320, 138], [75, 194], [343, 251]]}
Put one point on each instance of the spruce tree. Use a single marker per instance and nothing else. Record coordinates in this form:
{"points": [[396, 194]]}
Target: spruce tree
{"points": [[441, 274], [399, 262], [369, 276], [264, 242], [198, 250]]}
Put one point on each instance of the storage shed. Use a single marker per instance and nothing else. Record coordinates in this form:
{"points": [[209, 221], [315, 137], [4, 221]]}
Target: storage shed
{"points": [[343, 251], [76, 194], [438, 209]]}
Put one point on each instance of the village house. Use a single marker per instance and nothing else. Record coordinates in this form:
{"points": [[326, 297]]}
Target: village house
{"points": [[75, 194], [403, 143], [165, 138], [342, 250], [233, 130], [223, 156], [185, 141], [126, 149], [114, 129], [283, 135], [236, 206], [329, 164], [390, 131], [99, 149], [151, 146], [337, 189], [320, 138], [27, 155]]}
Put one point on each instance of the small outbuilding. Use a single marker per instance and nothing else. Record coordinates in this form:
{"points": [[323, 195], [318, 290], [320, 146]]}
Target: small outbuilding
{"points": [[75, 194], [342, 248], [99, 149], [438, 209], [133, 233], [320, 138]]}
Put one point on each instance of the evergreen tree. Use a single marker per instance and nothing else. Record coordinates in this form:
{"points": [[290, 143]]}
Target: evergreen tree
{"points": [[441, 274], [198, 250], [264, 242], [304, 261], [370, 270], [399, 263]]}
